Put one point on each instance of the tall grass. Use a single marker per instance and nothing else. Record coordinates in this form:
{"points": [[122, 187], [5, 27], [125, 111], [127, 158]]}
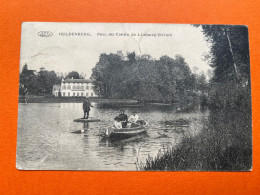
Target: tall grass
{"points": [[224, 144]]}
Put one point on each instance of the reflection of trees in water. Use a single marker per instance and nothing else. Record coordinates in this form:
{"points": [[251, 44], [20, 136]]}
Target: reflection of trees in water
{"points": [[137, 107]]}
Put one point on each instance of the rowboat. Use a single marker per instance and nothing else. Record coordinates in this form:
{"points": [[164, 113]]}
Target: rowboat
{"points": [[129, 131]]}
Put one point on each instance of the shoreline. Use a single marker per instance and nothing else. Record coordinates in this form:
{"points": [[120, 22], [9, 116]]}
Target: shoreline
{"points": [[42, 99], [220, 146]]}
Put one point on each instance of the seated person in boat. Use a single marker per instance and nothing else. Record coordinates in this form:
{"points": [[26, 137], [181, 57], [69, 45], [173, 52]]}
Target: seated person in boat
{"points": [[123, 118], [133, 119], [117, 123]]}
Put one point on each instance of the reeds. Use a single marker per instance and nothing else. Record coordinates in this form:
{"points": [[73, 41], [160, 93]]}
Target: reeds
{"points": [[224, 144]]}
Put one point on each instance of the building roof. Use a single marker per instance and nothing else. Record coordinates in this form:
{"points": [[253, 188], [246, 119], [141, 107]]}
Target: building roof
{"points": [[77, 81]]}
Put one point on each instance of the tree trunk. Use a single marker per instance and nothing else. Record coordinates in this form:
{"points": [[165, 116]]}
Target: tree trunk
{"points": [[231, 51]]}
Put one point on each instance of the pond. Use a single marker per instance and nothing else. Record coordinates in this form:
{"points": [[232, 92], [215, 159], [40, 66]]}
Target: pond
{"points": [[45, 140]]}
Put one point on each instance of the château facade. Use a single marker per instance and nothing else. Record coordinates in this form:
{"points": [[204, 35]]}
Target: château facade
{"points": [[74, 88]]}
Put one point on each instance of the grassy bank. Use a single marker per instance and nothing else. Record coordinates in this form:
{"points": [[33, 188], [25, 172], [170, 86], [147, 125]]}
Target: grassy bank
{"points": [[224, 144]]}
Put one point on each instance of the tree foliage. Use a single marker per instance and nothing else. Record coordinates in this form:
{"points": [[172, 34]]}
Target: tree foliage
{"points": [[229, 57], [74, 75], [37, 83], [142, 77], [229, 54]]}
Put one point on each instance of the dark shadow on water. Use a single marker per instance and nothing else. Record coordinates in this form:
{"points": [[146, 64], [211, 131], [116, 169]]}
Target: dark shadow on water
{"points": [[136, 107], [118, 142]]}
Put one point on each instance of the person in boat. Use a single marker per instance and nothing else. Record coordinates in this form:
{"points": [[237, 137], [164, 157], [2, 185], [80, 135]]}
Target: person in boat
{"points": [[117, 123], [133, 119], [123, 118], [86, 107]]}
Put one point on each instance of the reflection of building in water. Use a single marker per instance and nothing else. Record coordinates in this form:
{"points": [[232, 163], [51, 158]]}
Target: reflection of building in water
{"points": [[74, 88], [76, 110], [72, 105]]}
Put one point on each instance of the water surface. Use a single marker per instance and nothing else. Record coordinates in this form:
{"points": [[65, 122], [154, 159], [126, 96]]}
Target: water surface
{"points": [[46, 142]]}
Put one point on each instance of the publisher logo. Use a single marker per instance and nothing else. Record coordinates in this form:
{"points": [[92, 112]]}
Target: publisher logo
{"points": [[45, 33]]}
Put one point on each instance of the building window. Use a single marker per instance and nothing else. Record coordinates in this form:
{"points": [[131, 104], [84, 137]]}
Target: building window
{"points": [[63, 93], [73, 94], [77, 94], [91, 94], [64, 87], [82, 94], [87, 87], [68, 93], [68, 87], [87, 94]]}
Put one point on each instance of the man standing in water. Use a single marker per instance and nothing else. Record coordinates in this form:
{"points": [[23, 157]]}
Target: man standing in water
{"points": [[86, 107]]}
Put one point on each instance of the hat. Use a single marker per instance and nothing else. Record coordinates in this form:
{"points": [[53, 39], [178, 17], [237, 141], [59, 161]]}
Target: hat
{"points": [[116, 118]]}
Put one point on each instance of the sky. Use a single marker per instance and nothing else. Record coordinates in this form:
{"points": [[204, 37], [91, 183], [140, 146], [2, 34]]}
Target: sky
{"points": [[62, 52]]}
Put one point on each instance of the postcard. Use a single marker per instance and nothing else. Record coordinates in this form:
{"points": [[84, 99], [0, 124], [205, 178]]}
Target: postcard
{"points": [[134, 97]]}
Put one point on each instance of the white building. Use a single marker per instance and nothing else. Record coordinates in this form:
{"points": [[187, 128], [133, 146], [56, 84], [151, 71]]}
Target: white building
{"points": [[56, 90], [75, 88]]}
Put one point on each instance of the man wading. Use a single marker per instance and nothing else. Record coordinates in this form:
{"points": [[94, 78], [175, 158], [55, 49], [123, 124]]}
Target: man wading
{"points": [[86, 107]]}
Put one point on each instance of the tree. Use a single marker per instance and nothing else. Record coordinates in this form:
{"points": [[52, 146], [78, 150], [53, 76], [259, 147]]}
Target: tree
{"points": [[25, 68], [27, 84], [46, 80], [229, 54], [131, 56], [74, 75], [202, 84], [108, 74], [141, 77], [37, 84]]}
